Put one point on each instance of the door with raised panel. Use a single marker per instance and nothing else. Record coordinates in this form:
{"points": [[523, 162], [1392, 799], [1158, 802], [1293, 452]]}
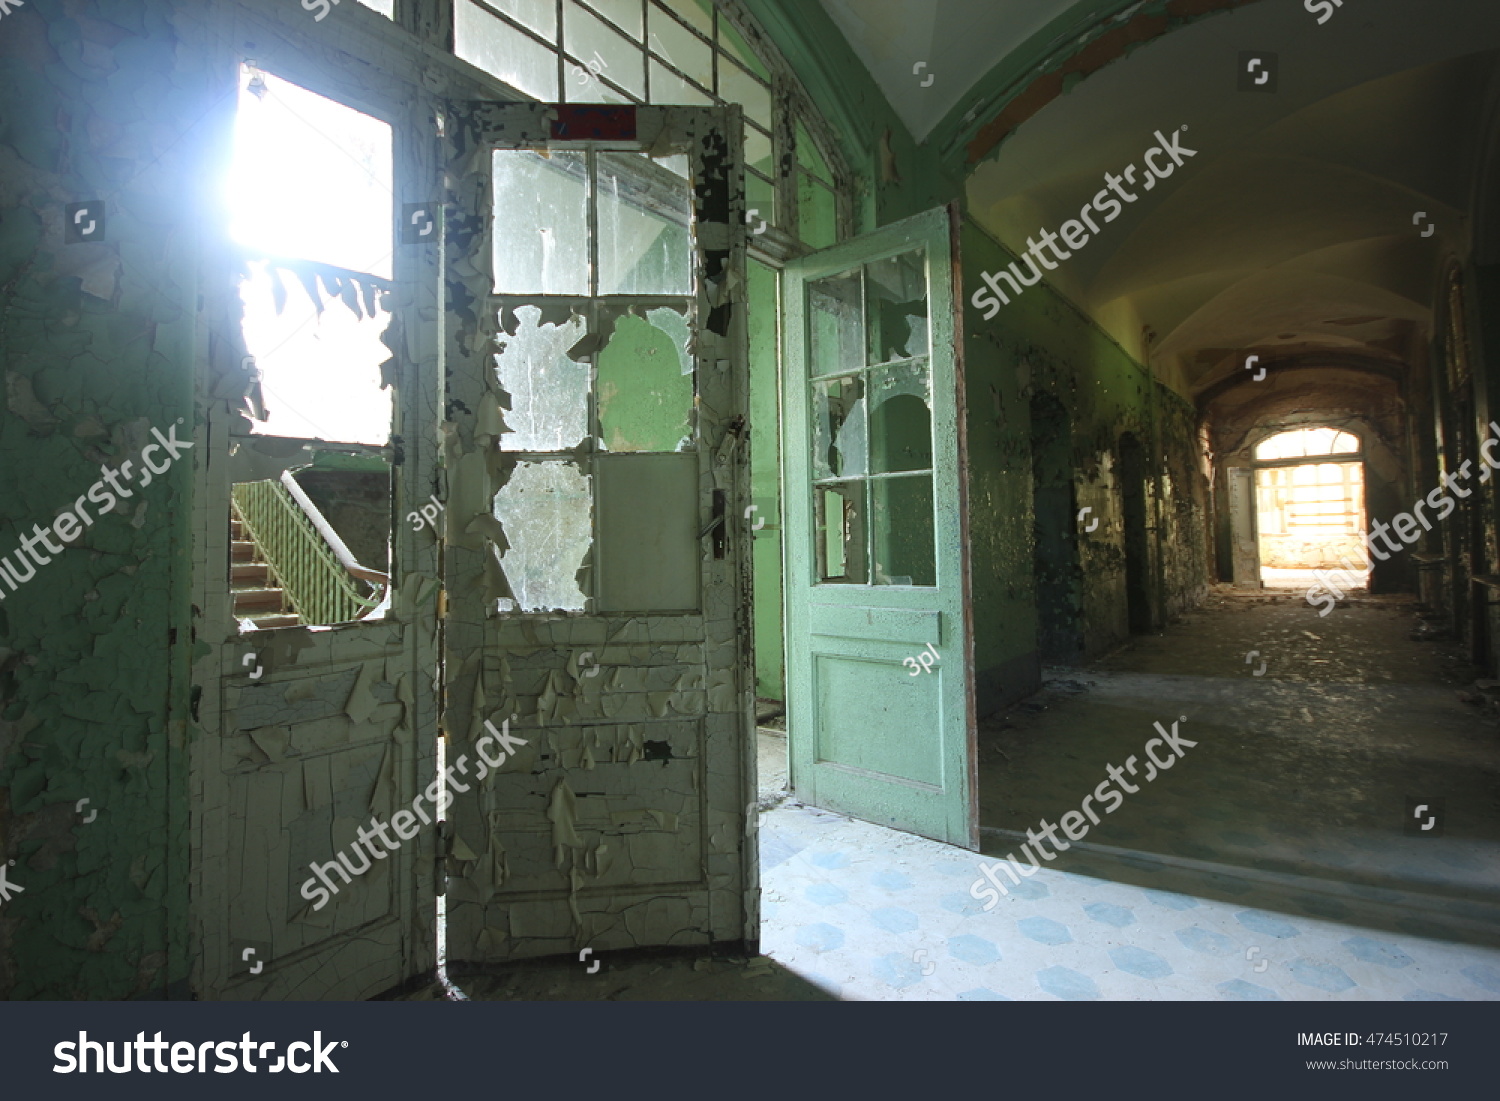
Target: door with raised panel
{"points": [[879, 702]]}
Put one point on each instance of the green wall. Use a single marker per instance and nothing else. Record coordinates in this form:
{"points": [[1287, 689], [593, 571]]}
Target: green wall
{"points": [[97, 101], [1039, 342]]}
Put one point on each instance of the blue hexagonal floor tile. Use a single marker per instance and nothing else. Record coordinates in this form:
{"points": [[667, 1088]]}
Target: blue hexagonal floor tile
{"points": [[820, 937], [1138, 961], [893, 919], [1067, 984], [971, 949], [1322, 976], [1374, 951], [1110, 914], [1044, 930]]}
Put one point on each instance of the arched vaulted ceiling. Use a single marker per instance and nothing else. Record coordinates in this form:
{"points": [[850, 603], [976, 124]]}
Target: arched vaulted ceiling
{"points": [[1290, 234]]}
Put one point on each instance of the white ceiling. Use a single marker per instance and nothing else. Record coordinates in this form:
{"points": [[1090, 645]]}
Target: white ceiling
{"points": [[958, 40]]}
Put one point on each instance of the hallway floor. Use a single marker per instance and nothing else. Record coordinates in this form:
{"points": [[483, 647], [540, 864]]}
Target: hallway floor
{"points": [[1270, 862]]}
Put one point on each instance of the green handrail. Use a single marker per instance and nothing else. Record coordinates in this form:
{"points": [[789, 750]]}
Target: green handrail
{"points": [[311, 563]]}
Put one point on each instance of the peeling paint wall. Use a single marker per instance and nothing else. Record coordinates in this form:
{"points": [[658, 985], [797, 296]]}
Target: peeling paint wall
{"points": [[1041, 344], [98, 102]]}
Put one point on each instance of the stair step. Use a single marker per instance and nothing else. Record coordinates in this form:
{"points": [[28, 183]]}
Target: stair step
{"points": [[264, 622], [256, 572], [241, 550], [263, 600]]}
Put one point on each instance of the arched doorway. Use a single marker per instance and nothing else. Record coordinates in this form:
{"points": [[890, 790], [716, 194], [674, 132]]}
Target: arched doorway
{"points": [[1310, 507]]}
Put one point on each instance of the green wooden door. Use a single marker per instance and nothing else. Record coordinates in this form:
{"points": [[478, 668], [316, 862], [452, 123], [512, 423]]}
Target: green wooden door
{"points": [[879, 704]]}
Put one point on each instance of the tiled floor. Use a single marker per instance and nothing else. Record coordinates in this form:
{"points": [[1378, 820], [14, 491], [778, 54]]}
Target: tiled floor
{"points": [[869, 913], [1270, 862]]}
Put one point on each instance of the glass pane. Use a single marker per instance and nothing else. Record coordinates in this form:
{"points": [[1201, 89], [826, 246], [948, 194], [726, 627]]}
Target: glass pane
{"points": [[738, 86], [731, 42], [541, 220], [645, 214], [839, 428], [808, 155], [817, 214], [905, 548], [839, 533], [309, 177], [835, 324], [625, 14], [547, 513], [896, 307], [760, 202], [646, 384], [548, 391], [900, 418], [758, 150], [583, 84], [536, 15], [698, 14], [673, 42], [669, 89], [501, 50], [587, 38]]}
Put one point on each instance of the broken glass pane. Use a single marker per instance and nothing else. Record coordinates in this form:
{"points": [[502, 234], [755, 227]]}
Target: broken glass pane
{"points": [[548, 518], [646, 383], [900, 418], [320, 371], [548, 391], [835, 326], [839, 428], [840, 534], [541, 214], [905, 548], [896, 307], [645, 213]]}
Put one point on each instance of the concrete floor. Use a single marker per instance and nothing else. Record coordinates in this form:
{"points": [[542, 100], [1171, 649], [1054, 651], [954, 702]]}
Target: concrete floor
{"points": [[1271, 862]]}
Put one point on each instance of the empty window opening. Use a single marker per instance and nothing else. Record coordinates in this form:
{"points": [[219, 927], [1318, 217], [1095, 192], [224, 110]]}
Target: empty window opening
{"points": [[309, 197], [1310, 515]]}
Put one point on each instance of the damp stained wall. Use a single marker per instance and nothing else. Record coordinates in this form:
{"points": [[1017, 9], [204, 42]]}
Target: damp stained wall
{"points": [[1040, 343], [97, 100]]}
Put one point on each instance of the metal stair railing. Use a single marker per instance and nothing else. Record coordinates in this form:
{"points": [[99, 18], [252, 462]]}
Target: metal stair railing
{"points": [[312, 564]]}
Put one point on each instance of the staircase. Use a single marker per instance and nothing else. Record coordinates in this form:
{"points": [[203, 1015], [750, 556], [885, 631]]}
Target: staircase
{"points": [[257, 596]]}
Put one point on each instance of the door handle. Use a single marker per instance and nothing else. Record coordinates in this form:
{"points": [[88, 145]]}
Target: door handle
{"points": [[716, 524]]}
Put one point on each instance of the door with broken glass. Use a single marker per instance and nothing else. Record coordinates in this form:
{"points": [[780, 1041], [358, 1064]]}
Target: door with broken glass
{"points": [[879, 701], [598, 685]]}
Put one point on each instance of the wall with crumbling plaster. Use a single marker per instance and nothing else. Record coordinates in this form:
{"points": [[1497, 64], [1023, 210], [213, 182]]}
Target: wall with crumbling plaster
{"points": [[1039, 343], [99, 101]]}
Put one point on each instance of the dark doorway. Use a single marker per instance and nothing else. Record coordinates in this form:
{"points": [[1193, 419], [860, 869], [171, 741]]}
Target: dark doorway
{"points": [[1132, 475], [1055, 533]]}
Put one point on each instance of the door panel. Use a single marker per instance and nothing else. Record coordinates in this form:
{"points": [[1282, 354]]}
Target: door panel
{"points": [[598, 594], [879, 702]]}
